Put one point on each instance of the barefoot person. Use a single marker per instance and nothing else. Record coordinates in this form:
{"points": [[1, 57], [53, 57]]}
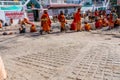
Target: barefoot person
{"points": [[45, 22], [33, 27], [77, 20], [3, 74], [61, 18]]}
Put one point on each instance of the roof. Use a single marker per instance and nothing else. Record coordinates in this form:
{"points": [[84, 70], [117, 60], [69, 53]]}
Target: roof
{"points": [[51, 6]]}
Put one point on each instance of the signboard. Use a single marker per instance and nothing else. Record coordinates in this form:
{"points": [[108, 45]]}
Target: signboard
{"points": [[14, 14], [30, 16], [118, 2]]}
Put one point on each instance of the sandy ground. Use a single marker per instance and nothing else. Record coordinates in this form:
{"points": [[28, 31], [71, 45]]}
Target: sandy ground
{"points": [[84, 55]]}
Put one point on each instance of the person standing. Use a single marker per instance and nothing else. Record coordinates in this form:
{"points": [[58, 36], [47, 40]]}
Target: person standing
{"points": [[61, 18], [77, 20], [45, 22]]}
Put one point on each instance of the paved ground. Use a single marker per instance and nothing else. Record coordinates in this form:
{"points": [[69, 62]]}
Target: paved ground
{"points": [[91, 55]]}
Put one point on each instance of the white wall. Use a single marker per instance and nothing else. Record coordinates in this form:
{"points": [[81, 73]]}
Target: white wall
{"points": [[2, 15]]}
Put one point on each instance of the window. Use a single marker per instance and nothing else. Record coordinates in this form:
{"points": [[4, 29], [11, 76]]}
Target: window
{"points": [[54, 1]]}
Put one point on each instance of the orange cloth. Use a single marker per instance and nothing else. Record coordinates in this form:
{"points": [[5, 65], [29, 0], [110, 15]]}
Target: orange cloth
{"points": [[33, 28], [87, 27], [105, 23], [100, 22], [77, 20], [62, 21], [45, 22], [110, 20], [49, 21], [96, 13]]}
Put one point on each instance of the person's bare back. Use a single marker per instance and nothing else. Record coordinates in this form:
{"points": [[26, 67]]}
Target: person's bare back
{"points": [[3, 74]]}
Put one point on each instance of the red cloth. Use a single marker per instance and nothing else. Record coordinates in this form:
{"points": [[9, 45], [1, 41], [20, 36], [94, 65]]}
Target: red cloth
{"points": [[77, 17], [97, 24], [73, 26]]}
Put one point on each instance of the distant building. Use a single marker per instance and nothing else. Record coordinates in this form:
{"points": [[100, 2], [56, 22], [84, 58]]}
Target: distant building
{"points": [[55, 6], [73, 1]]}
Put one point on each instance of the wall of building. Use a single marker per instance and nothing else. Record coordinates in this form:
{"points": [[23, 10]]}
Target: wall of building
{"points": [[73, 1]]}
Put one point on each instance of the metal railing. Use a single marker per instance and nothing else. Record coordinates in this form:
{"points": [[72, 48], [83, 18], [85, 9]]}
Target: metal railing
{"points": [[9, 3]]}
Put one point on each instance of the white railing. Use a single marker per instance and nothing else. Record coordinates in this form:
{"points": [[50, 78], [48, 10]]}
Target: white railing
{"points": [[9, 3], [107, 3], [26, 2]]}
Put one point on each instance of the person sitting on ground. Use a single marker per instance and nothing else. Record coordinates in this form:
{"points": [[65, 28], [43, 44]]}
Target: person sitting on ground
{"points": [[11, 21], [87, 26], [116, 23], [33, 28], [111, 22], [97, 24], [104, 22]]}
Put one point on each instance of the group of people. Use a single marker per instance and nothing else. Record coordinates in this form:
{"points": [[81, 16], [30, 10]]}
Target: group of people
{"points": [[110, 20], [104, 18], [46, 22], [23, 23], [101, 18], [76, 24]]}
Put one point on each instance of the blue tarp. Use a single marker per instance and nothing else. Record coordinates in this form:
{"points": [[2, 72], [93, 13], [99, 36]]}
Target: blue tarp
{"points": [[11, 8]]}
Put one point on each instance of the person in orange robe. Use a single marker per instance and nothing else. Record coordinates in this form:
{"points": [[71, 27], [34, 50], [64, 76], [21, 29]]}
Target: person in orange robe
{"points": [[110, 20], [77, 20], [97, 24], [73, 25], [45, 22], [61, 18], [96, 13], [87, 26], [100, 22], [49, 21], [33, 27], [105, 22]]}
